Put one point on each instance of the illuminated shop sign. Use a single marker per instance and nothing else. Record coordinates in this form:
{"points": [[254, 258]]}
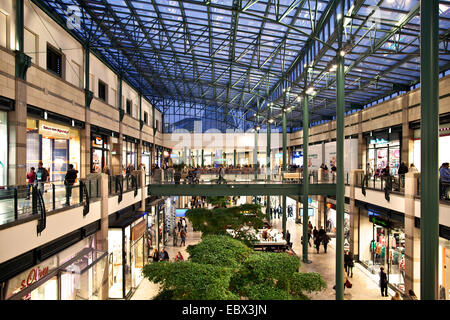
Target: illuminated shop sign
{"points": [[375, 218], [378, 141]]}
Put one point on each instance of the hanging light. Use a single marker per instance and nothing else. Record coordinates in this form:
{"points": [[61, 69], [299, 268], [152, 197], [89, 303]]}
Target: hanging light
{"points": [[342, 53], [270, 120], [310, 91]]}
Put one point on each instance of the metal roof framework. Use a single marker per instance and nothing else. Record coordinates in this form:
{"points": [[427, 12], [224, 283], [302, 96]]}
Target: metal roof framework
{"points": [[237, 61]]}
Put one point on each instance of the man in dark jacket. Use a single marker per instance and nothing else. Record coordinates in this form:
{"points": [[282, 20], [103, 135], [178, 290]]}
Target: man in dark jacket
{"points": [[383, 283], [41, 176], [288, 238], [69, 180], [402, 170]]}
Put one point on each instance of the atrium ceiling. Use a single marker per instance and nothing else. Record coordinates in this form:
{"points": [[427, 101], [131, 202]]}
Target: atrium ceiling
{"points": [[243, 61]]}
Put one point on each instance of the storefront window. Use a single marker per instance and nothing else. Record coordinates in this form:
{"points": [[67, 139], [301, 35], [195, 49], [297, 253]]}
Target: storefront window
{"points": [[444, 269], [382, 244], [384, 149], [4, 150], [99, 153], [56, 145], [330, 225], [137, 250], [115, 263], [129, 155], [79, 279], [127, 266]]}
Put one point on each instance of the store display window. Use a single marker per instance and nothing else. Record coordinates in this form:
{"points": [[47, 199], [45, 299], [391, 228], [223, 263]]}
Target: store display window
{"points": [[382, 244], [4, 150], [384, 149], [129, 155], [75, 273], [56, 145], [99, 153], [330, 224]]}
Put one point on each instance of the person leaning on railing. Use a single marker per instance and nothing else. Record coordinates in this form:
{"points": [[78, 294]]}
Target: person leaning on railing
{"points": [[402, 170], [444, 181], [69, 180]]}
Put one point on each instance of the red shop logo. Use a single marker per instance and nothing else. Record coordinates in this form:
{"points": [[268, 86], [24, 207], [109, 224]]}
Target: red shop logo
{"points": [[33, 276]]}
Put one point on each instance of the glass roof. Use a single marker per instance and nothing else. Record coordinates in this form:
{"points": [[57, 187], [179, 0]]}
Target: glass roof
{"points": [[233, 57]]}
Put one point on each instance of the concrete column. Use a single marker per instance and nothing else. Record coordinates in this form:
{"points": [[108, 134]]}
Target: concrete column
{"points": [[321, 211], [102, 235], [17, 127], [362, 146], [85, 144], [412, 236], [407, 133], [354, 214]]}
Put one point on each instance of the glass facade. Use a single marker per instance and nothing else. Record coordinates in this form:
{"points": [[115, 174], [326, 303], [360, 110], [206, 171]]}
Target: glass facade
{"points": [[129, 155], [384, 149], [56, 145], [75, 273], [4, 150], [100, 153]]}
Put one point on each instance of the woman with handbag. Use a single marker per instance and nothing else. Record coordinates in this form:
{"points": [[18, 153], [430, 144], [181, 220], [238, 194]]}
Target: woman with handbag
{"points": [[383, 283]]}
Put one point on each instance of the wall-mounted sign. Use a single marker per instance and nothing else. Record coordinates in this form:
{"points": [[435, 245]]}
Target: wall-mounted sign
{"points": [[379, 220], [378, 141], [138, 231]]}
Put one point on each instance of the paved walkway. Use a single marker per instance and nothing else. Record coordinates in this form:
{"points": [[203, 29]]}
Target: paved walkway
{"points": [[364, 286], [147, 289]]}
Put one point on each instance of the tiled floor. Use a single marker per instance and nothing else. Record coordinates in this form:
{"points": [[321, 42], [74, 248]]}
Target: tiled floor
{"points": [[364, 287]]}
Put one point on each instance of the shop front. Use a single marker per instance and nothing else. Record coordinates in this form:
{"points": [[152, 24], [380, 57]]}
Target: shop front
{"points": [[4, 150], [55, 144], [382, 244], [100, 153], [75, 273], [383, 149], [129, 154], [444, 269], [444, 142], [127, 250], [156, 227], [330, 222], [146, 156]]}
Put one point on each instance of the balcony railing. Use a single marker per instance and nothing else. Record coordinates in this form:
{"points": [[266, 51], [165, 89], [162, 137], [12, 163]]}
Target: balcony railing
{"points": [[235, 176], [21, 201]]}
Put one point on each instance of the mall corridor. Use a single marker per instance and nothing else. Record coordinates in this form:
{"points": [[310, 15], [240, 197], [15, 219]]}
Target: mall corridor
{"points": [[364, 285], [147, 289]]}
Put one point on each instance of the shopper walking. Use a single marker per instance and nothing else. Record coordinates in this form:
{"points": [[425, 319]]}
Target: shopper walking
{"points": [[325, 240], [383, 283], [69, 180], [41, 176], [348, 263], [183, 224], [31, 177], [183, 237]]}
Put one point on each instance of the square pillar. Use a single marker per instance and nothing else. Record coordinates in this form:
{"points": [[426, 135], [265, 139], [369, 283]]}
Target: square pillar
{"points": [[102, 235], [355, 177], [17, 128], [412, 236]]}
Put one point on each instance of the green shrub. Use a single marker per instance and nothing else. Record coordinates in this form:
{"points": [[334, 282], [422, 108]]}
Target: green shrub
{"points": [[307, 282], [219, 251], [262, 266], [191, 281], [266, 291]]}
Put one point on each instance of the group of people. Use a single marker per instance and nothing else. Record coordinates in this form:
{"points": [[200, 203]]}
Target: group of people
{"points": [[319, 237], [278, 211], [163, 255], [180, 231], [37, 179]]}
